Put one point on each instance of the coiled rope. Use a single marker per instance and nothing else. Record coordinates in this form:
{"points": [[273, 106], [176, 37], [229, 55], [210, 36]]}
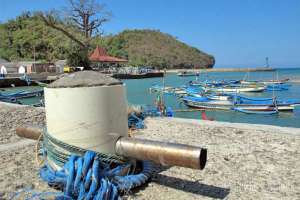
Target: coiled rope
{"points": [[89, 175], [59, 152]]}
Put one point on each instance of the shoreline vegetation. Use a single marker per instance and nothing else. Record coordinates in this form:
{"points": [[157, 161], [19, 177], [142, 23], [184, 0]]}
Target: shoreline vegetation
{"points": [[28, 37], [245, 161]]}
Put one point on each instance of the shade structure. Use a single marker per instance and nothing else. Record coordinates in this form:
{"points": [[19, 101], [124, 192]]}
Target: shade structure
{"points": [[100, 55]]}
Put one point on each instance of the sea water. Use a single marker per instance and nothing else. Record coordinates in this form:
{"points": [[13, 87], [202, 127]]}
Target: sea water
{"points": [[138, 93]]}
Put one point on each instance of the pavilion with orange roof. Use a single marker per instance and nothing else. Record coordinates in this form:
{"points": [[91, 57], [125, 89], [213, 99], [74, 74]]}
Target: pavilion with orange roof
{"points": [[101, 57]]}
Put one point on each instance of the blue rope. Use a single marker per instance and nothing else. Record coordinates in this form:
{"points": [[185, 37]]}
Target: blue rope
{"points": [[136, 122], [88, 178]]}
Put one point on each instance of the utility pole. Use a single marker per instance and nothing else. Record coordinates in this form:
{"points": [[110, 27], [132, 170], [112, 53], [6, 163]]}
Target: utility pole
{"points": [[34, 67]]}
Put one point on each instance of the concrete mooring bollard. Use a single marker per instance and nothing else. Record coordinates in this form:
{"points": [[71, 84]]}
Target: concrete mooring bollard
{"points": [[89, 110]]}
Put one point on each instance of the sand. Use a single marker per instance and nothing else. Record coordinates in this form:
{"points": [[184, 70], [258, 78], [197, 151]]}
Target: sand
{"points": [[244, 161]]}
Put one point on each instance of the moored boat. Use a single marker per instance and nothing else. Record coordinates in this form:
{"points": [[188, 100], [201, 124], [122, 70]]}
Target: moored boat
{"points": [[23, 94], [270, 111], [186, 73], [236, 89], [235, 102]]}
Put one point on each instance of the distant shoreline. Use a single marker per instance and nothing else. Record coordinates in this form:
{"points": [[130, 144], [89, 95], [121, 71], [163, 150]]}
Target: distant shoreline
{"points": [[263, 69]]}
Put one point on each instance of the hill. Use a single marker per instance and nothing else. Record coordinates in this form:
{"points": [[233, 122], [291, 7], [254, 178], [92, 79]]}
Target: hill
{"points": [[26, 37], [154, 48]]}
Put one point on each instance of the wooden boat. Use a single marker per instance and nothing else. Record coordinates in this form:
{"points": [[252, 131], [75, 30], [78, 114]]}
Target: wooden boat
{"points": [[262, 105], [236, 89], [186, 73], [138, 75], [23, 94], [158, 88], [271, 111], [9, 99], [275, 81], [206, 103], [277, 87], [266, 82], [220, 96]]}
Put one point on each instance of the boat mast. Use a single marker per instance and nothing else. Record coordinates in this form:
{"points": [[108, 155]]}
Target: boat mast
{"points": [[162, 92]]}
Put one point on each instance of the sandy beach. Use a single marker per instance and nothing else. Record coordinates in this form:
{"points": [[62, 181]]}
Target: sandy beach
{"points": [[245, 161]]}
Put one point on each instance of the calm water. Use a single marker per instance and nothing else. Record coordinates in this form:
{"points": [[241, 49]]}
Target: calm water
{"points": [[138, 93]]}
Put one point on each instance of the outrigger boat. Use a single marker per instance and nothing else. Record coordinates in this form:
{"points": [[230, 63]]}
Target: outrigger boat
{"points": [[239, 102], [265, 82], [275, 81], [271, 111], [180, 91], [22, 94], [277, 87], [236, 88]]}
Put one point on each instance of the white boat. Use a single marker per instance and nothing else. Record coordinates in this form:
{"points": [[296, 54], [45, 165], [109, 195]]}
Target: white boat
{"points": [[206, 103], [236, 89]]}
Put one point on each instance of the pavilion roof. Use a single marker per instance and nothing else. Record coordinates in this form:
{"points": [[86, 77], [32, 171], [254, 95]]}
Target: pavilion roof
{"points": [[100, 55]]}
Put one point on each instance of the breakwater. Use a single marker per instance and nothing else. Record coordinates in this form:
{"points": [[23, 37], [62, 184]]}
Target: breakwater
{"points": [[258, 69]]}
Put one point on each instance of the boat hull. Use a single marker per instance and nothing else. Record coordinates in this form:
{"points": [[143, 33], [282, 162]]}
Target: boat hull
{"points": [[237, 90], [228, 105]]}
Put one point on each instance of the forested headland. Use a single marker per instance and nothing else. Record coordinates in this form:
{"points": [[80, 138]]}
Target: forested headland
{"points": [[27, 37]]}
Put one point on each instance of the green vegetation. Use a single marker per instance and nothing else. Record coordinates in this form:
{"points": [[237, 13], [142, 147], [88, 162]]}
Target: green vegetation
{"points": [[153, 48], [28, 36]]}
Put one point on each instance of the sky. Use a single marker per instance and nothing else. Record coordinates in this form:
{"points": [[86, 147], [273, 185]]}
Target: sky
{"points": [[239, 33]]}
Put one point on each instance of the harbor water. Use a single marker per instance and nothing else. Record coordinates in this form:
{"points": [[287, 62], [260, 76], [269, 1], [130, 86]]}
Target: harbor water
{"points": [[138, 94]]}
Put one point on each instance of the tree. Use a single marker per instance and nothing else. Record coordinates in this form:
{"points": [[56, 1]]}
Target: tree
{"points": [[85, 16], [77, 57]]}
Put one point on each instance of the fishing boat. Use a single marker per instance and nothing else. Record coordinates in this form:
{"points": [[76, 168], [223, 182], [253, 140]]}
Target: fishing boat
{"points": [[206, 103], [186, 73], [179, 91], [9, 100], [277, 87], [196, 83], [236, 88], [220, 96], [245, 103], [158, 88], [270, 111], [23, 94], [275, 81]]}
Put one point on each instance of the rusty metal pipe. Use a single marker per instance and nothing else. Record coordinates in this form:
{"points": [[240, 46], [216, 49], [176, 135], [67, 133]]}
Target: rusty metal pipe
{"points": [[167, 154], [164, 153]]}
